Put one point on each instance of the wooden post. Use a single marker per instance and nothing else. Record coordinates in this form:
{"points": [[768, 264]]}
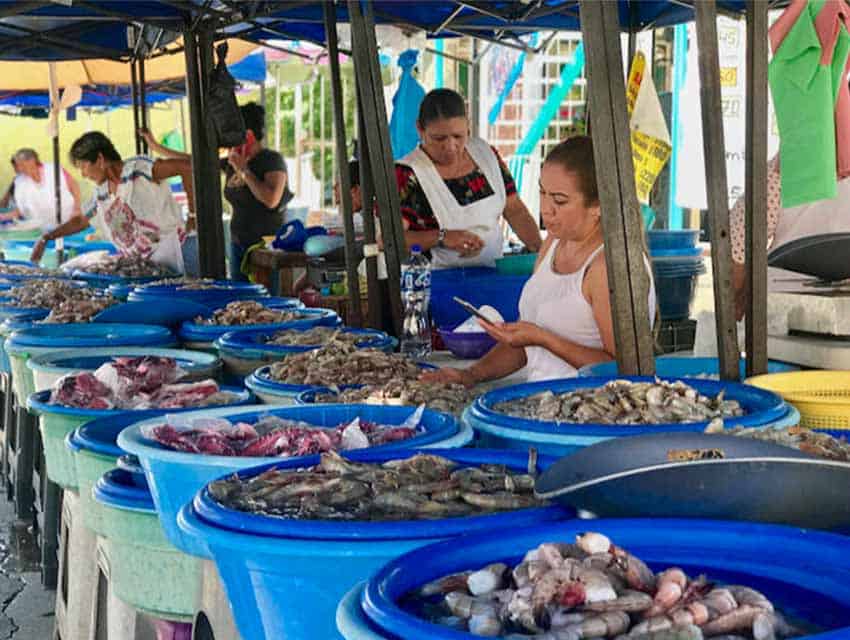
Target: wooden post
{"points": [[277, 108], [57, 191], [621, 219], [367, 195], [714, 150], [205, 169], [755, 186], [355, 310], [373, 109]]}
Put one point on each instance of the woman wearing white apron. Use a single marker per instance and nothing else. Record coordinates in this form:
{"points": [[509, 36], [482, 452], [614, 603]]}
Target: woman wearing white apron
{"points": [[132, 206], [565, 311], [455, 190], [35, 191]]}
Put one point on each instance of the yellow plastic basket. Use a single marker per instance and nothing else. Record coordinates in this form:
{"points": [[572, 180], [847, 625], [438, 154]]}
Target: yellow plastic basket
{"points": [[821, 397]]}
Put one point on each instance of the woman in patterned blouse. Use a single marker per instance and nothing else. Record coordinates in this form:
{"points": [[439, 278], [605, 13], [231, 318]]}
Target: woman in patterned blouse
{"points": [[455, 190]]}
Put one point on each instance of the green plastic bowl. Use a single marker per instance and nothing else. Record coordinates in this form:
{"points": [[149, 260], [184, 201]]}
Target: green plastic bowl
{"points": [[521, 264]]}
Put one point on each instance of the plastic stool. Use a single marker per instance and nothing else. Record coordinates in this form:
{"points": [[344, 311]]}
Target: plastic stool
{"points": [[78, 573], [214, 619], [112, 617]]}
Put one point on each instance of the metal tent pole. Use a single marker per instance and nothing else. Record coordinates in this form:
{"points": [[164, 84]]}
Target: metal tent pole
{"points": [[57, 190], [622, 224], [714, 149], [134, 89], [205, 169], [355, 311], [755, 186], [143, 103], [377, 139]]}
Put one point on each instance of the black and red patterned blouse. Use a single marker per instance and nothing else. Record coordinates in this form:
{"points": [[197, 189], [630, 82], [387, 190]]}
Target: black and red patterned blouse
{"points": [[416, 209]]}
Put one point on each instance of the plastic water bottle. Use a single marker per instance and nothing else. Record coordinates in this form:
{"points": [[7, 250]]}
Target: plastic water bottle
{"points": [[416, 296]]}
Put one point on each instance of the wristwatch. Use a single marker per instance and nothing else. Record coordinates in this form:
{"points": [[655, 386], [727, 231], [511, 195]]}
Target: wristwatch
{"points": [[441, 238]]}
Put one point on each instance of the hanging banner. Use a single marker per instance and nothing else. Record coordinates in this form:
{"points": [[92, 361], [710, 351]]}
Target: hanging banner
{"points": [[649, 134]]}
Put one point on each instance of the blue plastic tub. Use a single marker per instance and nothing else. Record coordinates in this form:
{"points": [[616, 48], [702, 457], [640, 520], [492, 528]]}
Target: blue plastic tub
{"points": [[275, 569], [204, 336], [497, 430], [245, 351], [48, 367], [664, 254], [175, 477], [25, 263], [7, 328], [272, 392], [675, 296], [104, 281], [94, 447], [681, 367], [37, 339], [477, 285], [662, 239], [56, 422], [145, 571], [351, 622], [226, 291], [776, 560]]}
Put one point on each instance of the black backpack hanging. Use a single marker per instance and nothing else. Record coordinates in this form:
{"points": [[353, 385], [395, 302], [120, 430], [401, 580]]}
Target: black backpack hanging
{"points": [[222, 110]]}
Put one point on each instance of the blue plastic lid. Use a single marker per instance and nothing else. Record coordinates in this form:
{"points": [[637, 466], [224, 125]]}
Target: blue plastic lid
{"points": [[685, 252], [685, 366], [257, 340], [101, 436], [90, 335], [771, 558], [435, 427], [213, 513], [761, 407], [120, 490], [39, 403]]}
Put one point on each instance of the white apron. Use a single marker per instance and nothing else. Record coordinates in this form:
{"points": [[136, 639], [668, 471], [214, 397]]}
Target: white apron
{"points": [[815, 218], [37, 200], [482, 218], [142, 217], [803, 221], [555, 302]]}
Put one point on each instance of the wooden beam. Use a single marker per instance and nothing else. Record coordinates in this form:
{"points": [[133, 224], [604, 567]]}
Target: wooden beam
{"points": [[377, 299], [621, 219], [755, 186], [355, 310], [714, 150], [134, 94], [370, 86]]}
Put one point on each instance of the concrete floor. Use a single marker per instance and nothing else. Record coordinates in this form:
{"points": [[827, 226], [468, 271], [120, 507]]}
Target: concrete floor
{"points": [[26, 608]]}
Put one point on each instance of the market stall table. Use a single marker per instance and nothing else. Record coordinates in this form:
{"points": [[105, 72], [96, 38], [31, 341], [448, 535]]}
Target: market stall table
{"points": [[274, 268]]}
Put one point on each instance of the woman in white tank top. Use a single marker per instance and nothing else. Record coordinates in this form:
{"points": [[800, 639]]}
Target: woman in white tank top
{"points": [[565, 312]]}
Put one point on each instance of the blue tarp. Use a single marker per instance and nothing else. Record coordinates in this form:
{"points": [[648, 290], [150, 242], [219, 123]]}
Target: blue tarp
{"points": [[406, 101], [98, 29]]}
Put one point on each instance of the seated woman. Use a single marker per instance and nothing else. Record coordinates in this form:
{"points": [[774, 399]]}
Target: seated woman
{"points": [[565, 311], [455, 190]]}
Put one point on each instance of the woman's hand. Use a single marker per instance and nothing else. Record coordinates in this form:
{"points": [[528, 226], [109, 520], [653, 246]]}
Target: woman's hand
{"points": [[147, 136], [237, 161], [466, 243], [516, 334], [38, 250], [449, 375]]}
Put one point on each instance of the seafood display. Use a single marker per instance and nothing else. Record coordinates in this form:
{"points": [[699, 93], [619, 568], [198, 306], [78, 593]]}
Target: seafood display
{"points": [[448, 398], [67, 302], [79, 309], [127, 266], [247, 312], [417, 488], [272, 436], [817, 444], [342, 363], [314, 336], [146, 382], [624, 402], [183, 282], [24, 270], [594, 589]]}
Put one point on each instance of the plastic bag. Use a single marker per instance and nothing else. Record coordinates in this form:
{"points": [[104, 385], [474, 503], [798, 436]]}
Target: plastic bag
{"points": [[222, 111]]}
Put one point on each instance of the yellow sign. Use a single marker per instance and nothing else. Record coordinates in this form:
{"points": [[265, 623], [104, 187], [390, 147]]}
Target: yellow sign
{"points": [[728, 77], [649, 134]]}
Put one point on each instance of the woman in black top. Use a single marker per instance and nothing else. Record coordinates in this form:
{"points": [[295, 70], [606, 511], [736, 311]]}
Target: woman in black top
{"points": [[256, 189]]}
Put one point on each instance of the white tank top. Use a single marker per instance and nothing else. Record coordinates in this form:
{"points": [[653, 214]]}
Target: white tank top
{"points": [[555, 302]]}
